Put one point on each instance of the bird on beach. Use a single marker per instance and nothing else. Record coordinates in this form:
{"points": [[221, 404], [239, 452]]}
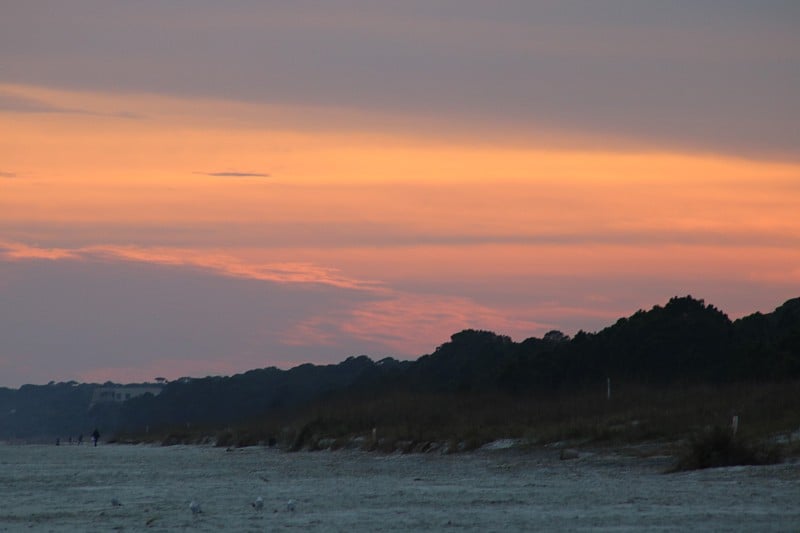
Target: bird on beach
{"points": [[258, 505], [290, 505], [195, 508]]}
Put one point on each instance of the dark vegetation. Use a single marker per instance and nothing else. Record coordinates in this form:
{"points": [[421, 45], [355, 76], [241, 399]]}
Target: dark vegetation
{"points": [[719, 446], [674, 370]]}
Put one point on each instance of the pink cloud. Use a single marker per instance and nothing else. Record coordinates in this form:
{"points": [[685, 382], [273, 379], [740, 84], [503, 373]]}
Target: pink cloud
{"points": [[777, 276], [215, 262], [18, 252], [228, 265], [410, 324]]}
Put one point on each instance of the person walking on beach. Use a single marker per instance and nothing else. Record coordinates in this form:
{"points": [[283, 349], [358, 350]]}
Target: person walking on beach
{"points": [[95, 436]]}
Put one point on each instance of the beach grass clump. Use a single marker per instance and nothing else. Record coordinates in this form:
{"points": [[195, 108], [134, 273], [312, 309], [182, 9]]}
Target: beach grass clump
{"points": [[719, 447]]}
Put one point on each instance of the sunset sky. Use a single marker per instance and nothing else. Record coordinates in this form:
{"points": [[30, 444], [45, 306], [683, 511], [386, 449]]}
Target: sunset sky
{"points": [[194, 188]]}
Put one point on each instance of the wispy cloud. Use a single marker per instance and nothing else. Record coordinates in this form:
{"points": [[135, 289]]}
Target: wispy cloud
{"points": [[234, 174], [218, 263], [15, 103], [225, 264], [8, 175], [18, 251]]}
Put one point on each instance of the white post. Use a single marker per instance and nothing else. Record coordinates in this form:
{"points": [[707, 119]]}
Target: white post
{"points": [[735, 424]]}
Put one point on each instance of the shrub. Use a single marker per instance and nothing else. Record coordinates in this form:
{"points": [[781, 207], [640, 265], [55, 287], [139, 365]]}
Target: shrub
{"points": [[720, 447]]}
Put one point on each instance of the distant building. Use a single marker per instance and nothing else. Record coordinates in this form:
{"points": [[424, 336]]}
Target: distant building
{"points": [[122, 393]]}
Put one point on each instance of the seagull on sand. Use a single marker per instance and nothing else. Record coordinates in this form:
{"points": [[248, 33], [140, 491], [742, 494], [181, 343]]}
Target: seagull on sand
{"points": [[258, 505], [195, 508]]}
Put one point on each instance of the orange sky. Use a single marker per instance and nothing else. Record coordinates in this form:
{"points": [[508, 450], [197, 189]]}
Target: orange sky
{"points": [[407, 225]]}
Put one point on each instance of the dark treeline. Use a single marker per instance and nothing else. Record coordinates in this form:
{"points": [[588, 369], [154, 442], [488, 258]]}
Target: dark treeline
{"points": [[684, 342]]}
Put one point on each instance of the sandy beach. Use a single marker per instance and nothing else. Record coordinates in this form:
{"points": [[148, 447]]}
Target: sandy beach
{"points": [[116, 487]]}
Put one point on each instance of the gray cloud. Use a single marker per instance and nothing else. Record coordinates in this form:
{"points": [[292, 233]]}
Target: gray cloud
{"points": [[377, 235], [75, 316], [20, 104], [235, 174], [689, 75]]}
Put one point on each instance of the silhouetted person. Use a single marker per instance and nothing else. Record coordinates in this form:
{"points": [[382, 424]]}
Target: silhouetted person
{"points": [[80, 439], [58, 441], [95, 436]]}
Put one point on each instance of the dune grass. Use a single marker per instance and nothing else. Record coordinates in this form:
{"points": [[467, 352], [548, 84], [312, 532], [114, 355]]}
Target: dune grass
{"points": [[417, 422]]}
